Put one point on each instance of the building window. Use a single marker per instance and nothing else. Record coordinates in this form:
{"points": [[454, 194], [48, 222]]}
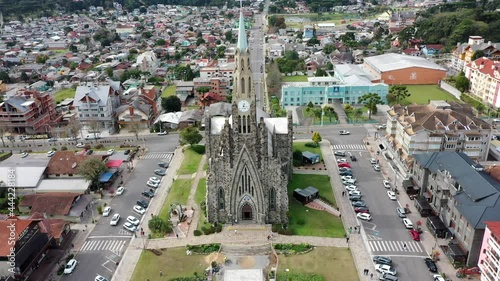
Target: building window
{"points": [[221, 198], [272, 199]]}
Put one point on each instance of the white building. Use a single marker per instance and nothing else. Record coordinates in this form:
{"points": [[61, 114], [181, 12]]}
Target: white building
{"points": [[484, 77]]}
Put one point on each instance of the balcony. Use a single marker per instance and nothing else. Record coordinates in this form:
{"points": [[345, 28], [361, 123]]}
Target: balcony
{"points": [[494, 245], [493, 259]]}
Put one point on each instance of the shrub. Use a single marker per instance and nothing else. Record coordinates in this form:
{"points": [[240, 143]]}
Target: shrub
{"points": [[64, 148], [196, 232], [99, 210], [54, 149], [218, 228], [293, 247], [98, 146], [311, 144], [280, 230], [204, 248], [68, 258], [198, 148], [87, 147]]}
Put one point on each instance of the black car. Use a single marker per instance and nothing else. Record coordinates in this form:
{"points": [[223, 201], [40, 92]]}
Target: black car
{"points": [[382, 260], [143, 203], [344, 169], [339, 153], [430, 265], [353, 158], [163, 164], [160, 172], [150, 193], [360, 203], [126, 152], [346, 173], [355, 197], [90, 151]]}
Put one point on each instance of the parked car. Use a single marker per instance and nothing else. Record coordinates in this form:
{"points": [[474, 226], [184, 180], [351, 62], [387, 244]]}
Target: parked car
{"points": [[355, 197], [430, 265], [348, 181], [24, 154], [386, 183], [364, 216], [154, 179], [90, 151], [70, 266], [341, 160], [376, 168], [392, 195], [106, 211], [115, 219], [348, 178], [143, 203], [388, 277], [360, 203], [344, 165], [339, 153], [407, 222], [153, 184], [52, 140], [355, 192], [130, 227], [50, 153], [133, 220], [120, 190], [361, 210], [382, 260], [163, 133], [346, 173], [138, 209], [351, 187], [344, 132], [100, 278], [437, 277], [344, 169], [160, 172], [353, 158], [382, 126], [384, 268], [80, 145], [163, 164], [373, 161], [149, 193], [414, 235], [126, 152], [401, 212], [110, 152]]}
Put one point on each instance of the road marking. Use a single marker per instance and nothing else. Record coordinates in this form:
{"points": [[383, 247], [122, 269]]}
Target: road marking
{"points": [[99, 237], [349, 147], [395, 246], [100, 245], [104, 265], [164, 156]]}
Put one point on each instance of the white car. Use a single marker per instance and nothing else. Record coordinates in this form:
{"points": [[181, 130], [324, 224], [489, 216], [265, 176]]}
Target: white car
{"points": [[407, 222], [115, 219], [120, 190], [344, 132], [70, 266], [437, 277], [383, 126], [152, 184], [100, 278], [80, 145], [376, 168], [355, 192], [383, 268], [50, 153], [348, 181], [348, 178], [24, 154], [154, 179], [111, 151], [364, 216], [162, 133], [387, 184], [106, 211], [138, 209], [391, 194], [351, 187], [133, 220], [373, 161], [341, 160], [130, 227]]}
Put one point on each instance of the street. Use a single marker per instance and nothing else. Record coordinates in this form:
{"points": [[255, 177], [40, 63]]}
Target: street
{"points": [[106, 244]]}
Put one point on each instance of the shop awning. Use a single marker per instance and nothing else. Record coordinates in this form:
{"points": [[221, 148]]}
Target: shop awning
{"points": [[105, 177], [114, 163]]}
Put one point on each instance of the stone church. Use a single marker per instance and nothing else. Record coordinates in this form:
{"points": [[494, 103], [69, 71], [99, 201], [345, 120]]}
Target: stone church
{"points": [[249, 154]]}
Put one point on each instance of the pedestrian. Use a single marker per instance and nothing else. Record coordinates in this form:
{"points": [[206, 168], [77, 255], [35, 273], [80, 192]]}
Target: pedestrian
{"points": [[347, 239], [161, 273], [350, 229], [404, 246], [371, 276], [340, 216], [235, 231], [177, 235]]}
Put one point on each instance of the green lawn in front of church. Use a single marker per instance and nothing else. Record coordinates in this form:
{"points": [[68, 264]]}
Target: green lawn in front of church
{"points": [[302, 147], [190, 163], [179, 193], [308, 222]]}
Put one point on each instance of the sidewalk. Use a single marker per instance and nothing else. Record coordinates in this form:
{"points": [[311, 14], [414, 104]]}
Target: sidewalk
{"points": [[429, 242]]}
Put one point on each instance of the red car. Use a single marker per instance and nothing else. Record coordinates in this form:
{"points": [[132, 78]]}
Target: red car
{"points": [[415, 235], [344, 165], [361, 210]]}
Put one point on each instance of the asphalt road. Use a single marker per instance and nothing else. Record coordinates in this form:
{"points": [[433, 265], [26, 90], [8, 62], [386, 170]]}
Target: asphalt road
{"points": [[107, 243]]}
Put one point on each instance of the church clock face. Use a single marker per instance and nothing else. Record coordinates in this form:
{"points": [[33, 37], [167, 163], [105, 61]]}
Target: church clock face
{"points": [[243, 106]]}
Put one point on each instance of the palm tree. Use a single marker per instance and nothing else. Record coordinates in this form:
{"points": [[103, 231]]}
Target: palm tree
{"points": [[399, 92], [370, 100]]}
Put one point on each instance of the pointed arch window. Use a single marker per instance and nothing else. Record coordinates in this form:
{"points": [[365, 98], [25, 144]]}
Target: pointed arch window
{"points": [[221, 198], [249, 87], [272, 199], [242, 65], [243, 86]]}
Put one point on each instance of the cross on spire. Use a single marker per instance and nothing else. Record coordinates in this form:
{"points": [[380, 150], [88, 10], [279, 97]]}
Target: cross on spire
{"points": [[241, 4]]}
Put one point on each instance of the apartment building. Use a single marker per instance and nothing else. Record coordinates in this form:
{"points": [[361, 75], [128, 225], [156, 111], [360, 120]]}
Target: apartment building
{"points": [[484, 77], [462, 197], [462, 54], [220, 68], [489, 258], [437, 126], [96, 103], [29, 112]]}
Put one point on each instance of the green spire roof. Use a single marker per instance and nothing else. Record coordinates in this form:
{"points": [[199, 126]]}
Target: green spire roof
{"points": [[242, 35]]}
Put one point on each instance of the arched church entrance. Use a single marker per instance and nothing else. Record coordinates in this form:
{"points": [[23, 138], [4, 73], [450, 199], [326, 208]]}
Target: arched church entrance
{"points": [[246, 212]]}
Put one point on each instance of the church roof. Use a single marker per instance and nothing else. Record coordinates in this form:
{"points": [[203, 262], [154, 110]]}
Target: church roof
{"points": [[242, 35], [279, 124]]}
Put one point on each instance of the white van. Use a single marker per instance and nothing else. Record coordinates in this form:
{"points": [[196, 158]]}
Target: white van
{"points": [[93, 136]]}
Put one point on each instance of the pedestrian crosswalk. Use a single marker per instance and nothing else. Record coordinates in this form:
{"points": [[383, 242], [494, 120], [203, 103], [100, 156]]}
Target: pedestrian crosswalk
{"points": [[164, 156], [102, 245], [349, 147], [396, 246]]}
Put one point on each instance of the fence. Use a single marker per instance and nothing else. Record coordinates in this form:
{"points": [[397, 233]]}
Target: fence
{"points": [[450, 89]]}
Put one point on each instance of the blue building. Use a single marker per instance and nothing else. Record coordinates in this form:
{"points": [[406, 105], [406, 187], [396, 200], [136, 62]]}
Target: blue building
{"points": [[347, 85], [308, 32]]}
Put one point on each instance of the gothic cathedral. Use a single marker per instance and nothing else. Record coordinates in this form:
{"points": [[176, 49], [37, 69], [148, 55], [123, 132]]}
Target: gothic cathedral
{"points": [[249, 154]]}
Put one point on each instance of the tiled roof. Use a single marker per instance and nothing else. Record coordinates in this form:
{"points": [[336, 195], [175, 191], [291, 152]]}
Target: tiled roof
{"points": [[63, 162], [486, 66], [494, 227], [54, 203], [5, 233]]}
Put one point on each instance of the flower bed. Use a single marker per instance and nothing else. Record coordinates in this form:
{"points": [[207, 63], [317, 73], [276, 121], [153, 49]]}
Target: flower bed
{"points": [[203, 249], [293, 248]]}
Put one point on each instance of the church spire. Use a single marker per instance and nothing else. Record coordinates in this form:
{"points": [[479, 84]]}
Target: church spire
{"points": [[242, 35]]}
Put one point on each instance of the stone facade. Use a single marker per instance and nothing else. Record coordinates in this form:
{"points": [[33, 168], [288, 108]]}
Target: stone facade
{"points": [[249, 155]]}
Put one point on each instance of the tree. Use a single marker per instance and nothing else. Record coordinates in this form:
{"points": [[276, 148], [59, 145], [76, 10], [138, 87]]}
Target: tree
{"points": [[316, 138], [4, 76], [320, 73], [3, 130], [370, 100], [190, 135], [109, 72], [477, 54], [73, 48], [329, 111], [399, 92], [74, 128], [203, 89], [159, 225], [329, 48], [171, 104], [24, 76], [135, 127], [462, 83], [91, 169], [94, 127]]}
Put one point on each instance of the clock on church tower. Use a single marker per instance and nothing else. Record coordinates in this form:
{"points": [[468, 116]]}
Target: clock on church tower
{"points": [[243, 106]]}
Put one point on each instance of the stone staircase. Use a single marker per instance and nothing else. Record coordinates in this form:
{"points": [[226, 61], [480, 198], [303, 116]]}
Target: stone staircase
{"points": [[246, 250], [248, 227]]}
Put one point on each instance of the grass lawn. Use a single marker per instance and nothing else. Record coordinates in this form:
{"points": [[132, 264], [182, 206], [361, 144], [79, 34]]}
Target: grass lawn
{"points": [[302, 147], [64, 94], [201, 191], [173, 262], [169, 91], [332, 263], [421, 94], [190, 163], [298, 78], [309, 222], [179, 193]]}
